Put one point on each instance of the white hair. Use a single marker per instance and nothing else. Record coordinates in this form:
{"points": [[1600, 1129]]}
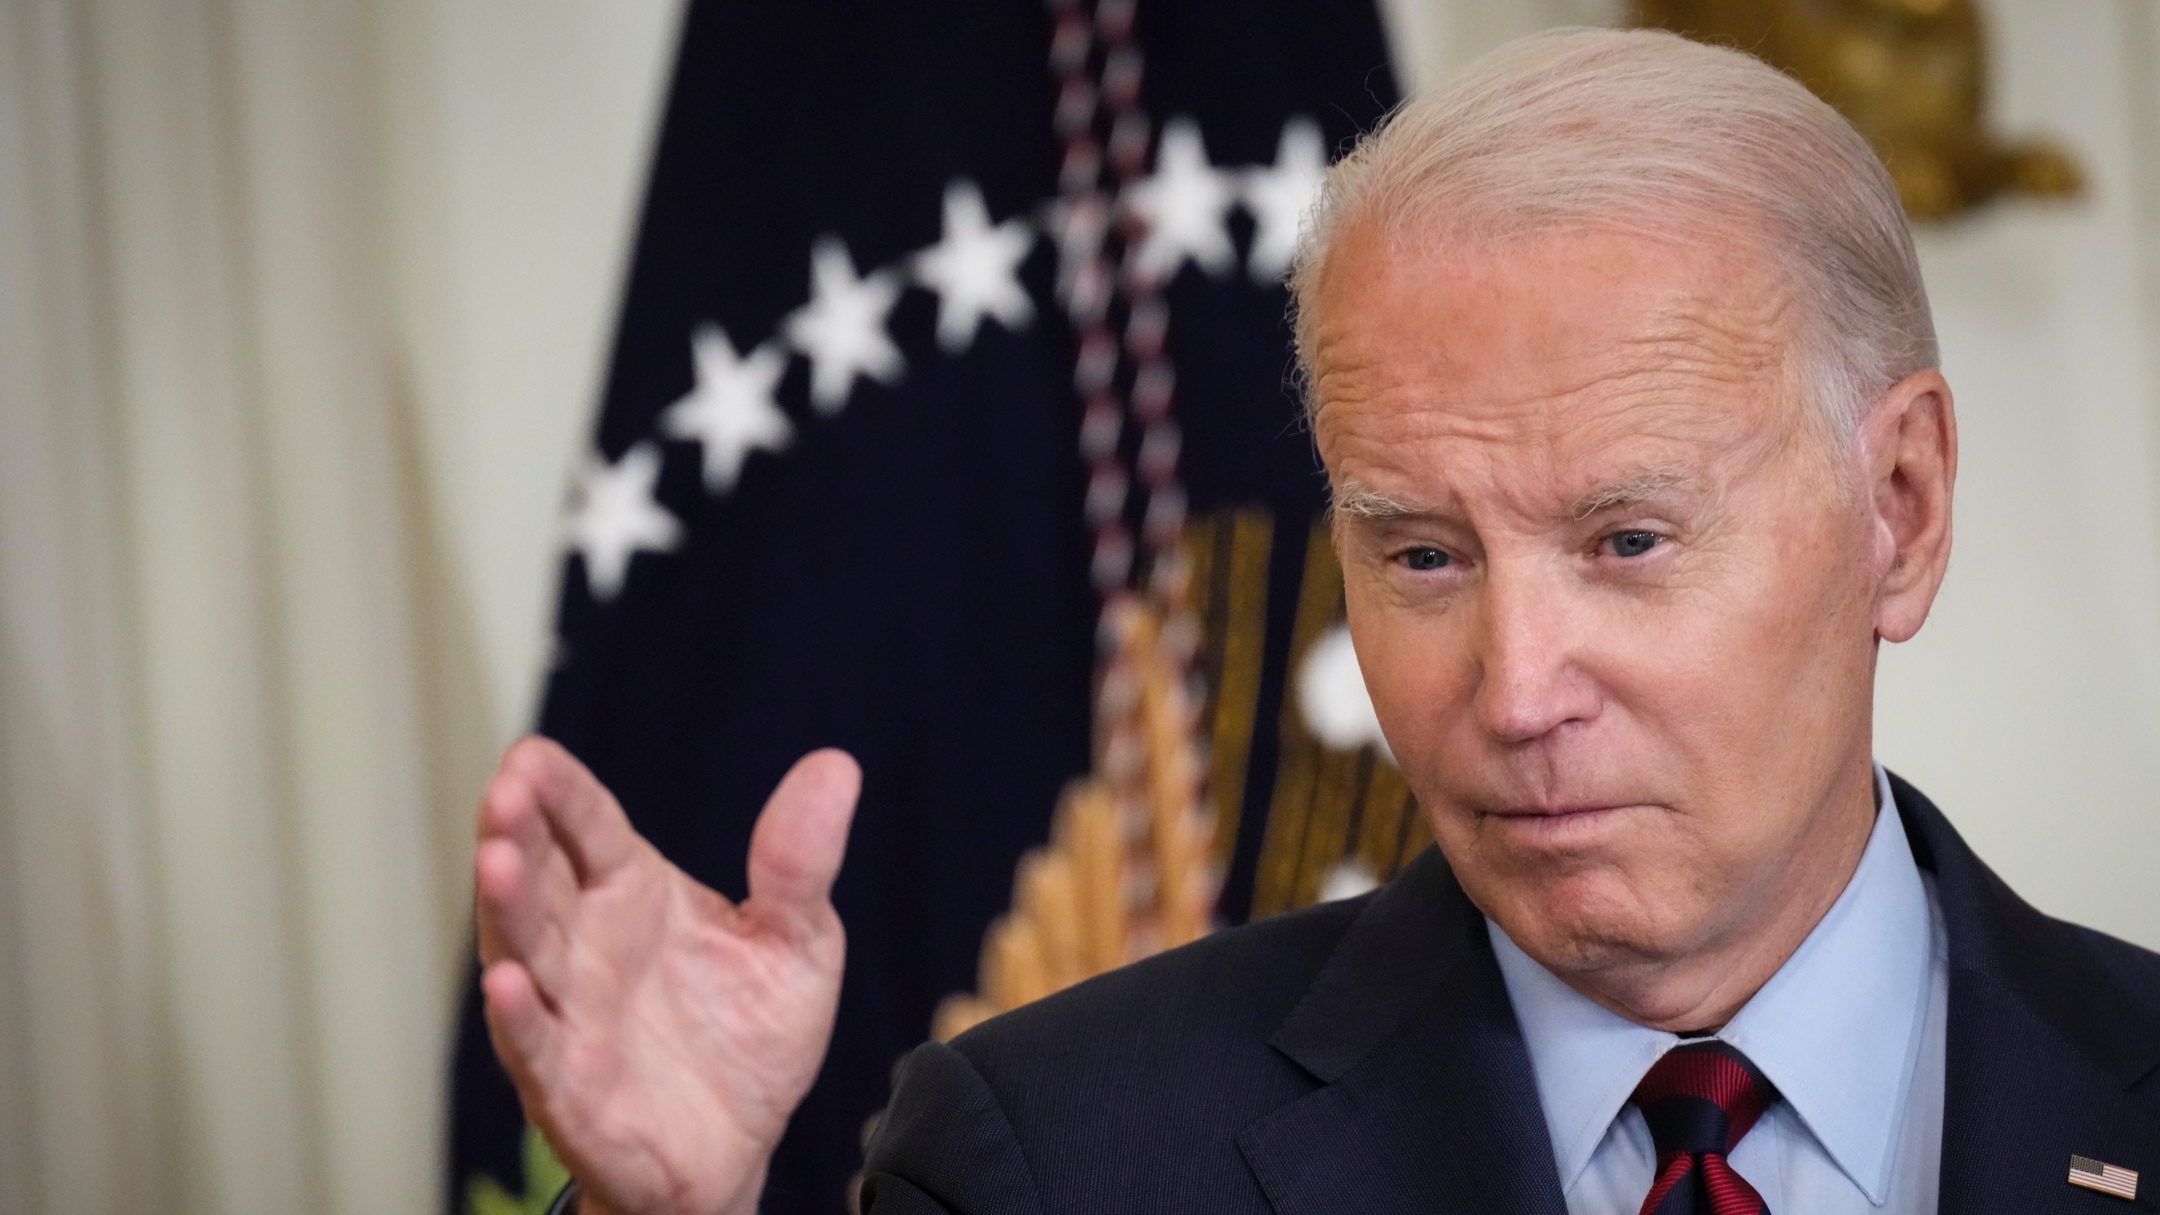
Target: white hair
{"points": [[1644, 130]]}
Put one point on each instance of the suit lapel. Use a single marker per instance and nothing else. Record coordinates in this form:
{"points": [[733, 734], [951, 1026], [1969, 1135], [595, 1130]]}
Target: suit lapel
{"points": [[1427, 1100], [2043, 1051]]}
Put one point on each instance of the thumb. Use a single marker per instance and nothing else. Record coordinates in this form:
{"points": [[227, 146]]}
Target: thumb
{"points": [[801, 835]]}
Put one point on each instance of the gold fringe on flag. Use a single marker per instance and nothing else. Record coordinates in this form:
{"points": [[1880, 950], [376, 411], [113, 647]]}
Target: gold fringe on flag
{"points": [[1129, 870]]}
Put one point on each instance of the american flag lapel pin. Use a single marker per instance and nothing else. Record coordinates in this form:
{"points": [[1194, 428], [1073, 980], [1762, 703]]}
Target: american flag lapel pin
{"points": [[2106, 1178]]}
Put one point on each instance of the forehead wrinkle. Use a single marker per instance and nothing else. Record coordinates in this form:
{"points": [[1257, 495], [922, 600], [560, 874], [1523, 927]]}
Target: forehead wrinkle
{"points": [[1683, 347], [1544, 474], [1345, 375], [1695, 366], [1633, 379], [1743, 335]]}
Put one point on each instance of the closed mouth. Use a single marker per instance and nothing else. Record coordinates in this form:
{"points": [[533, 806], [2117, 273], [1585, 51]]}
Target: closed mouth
{"points": [[1551, 812], [1559, 825]]}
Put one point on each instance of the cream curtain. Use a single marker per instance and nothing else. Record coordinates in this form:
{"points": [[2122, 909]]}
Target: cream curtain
{"points": [[227, 924]]}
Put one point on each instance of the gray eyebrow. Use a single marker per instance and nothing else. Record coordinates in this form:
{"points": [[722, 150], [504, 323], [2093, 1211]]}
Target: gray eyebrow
{"points": [[1358, 502], [1632, 491]]}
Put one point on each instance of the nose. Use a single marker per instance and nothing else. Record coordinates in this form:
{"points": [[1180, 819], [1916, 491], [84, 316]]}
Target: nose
{"points": [[1528, 642]]}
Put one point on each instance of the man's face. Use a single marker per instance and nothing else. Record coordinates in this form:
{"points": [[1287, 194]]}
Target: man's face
{"points": [[1610, 594]]}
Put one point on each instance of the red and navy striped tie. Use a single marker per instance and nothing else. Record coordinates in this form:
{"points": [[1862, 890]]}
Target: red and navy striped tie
{"points": [[1699, 1100]]}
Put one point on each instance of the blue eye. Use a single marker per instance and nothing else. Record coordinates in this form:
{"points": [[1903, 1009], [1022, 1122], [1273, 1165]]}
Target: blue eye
{"points": [[1632, 543], [1425, 559]]}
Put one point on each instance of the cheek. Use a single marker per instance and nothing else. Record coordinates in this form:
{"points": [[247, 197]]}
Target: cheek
{"points": [[1673, 665], [1685, 701], [1743, 690], [1788, 635]]}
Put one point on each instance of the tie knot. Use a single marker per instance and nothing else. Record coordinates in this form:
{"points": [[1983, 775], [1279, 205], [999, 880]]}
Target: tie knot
{"points": [[1702, 1097]]}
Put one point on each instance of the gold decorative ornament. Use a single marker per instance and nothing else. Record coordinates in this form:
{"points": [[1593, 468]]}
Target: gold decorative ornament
{"points": [[1139, 845], [1911, 75], [1336, 812], [1129, 868]]}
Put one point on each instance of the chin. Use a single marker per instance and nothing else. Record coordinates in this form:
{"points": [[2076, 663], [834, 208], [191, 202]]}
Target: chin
{"points": [[1580, 921]]}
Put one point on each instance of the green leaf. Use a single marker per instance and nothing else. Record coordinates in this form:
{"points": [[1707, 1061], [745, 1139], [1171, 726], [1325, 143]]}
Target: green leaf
{"points": [[545, 1177]]}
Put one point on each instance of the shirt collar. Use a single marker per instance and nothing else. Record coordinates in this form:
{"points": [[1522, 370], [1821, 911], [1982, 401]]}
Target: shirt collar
{"points": [[1837, 1029]]}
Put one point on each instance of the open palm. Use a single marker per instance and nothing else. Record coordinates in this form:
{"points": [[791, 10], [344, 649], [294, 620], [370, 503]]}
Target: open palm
{"points": [[658, 1034]]}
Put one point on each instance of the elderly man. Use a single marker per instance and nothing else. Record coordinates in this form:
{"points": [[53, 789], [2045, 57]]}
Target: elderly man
{"points": [[1623, 373]]}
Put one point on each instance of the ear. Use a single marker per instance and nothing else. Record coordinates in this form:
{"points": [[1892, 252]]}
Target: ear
{"points": [[1908, 455]]}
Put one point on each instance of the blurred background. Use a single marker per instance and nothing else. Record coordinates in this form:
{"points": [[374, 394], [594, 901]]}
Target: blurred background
{"points": [[305, 315]]}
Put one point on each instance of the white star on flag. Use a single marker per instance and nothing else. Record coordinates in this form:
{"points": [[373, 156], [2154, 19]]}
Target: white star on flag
{"points": [[731, 411], [974, 269], [1183, 202], [842, 328], [615, 517], [1280, 197]]}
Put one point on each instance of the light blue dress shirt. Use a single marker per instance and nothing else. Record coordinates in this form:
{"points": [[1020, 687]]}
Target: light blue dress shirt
{"points": [[1850, 1030]]}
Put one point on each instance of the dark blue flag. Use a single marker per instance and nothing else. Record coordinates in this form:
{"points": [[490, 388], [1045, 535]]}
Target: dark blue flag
{"points": [[835, 496]]}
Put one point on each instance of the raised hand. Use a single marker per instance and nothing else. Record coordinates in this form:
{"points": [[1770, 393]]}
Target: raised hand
{"points": [[659, 1035]]}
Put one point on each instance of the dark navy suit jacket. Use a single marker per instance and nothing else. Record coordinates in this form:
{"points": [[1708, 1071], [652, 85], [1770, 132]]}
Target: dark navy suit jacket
{"points": [[1362, 1057]]}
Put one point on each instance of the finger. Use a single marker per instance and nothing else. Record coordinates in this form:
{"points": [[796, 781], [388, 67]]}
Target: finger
{"points": [[492, 887], [519, 1023], [582, 815], [524, 884], [800, 837], [512, 811], [517, 921]]}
